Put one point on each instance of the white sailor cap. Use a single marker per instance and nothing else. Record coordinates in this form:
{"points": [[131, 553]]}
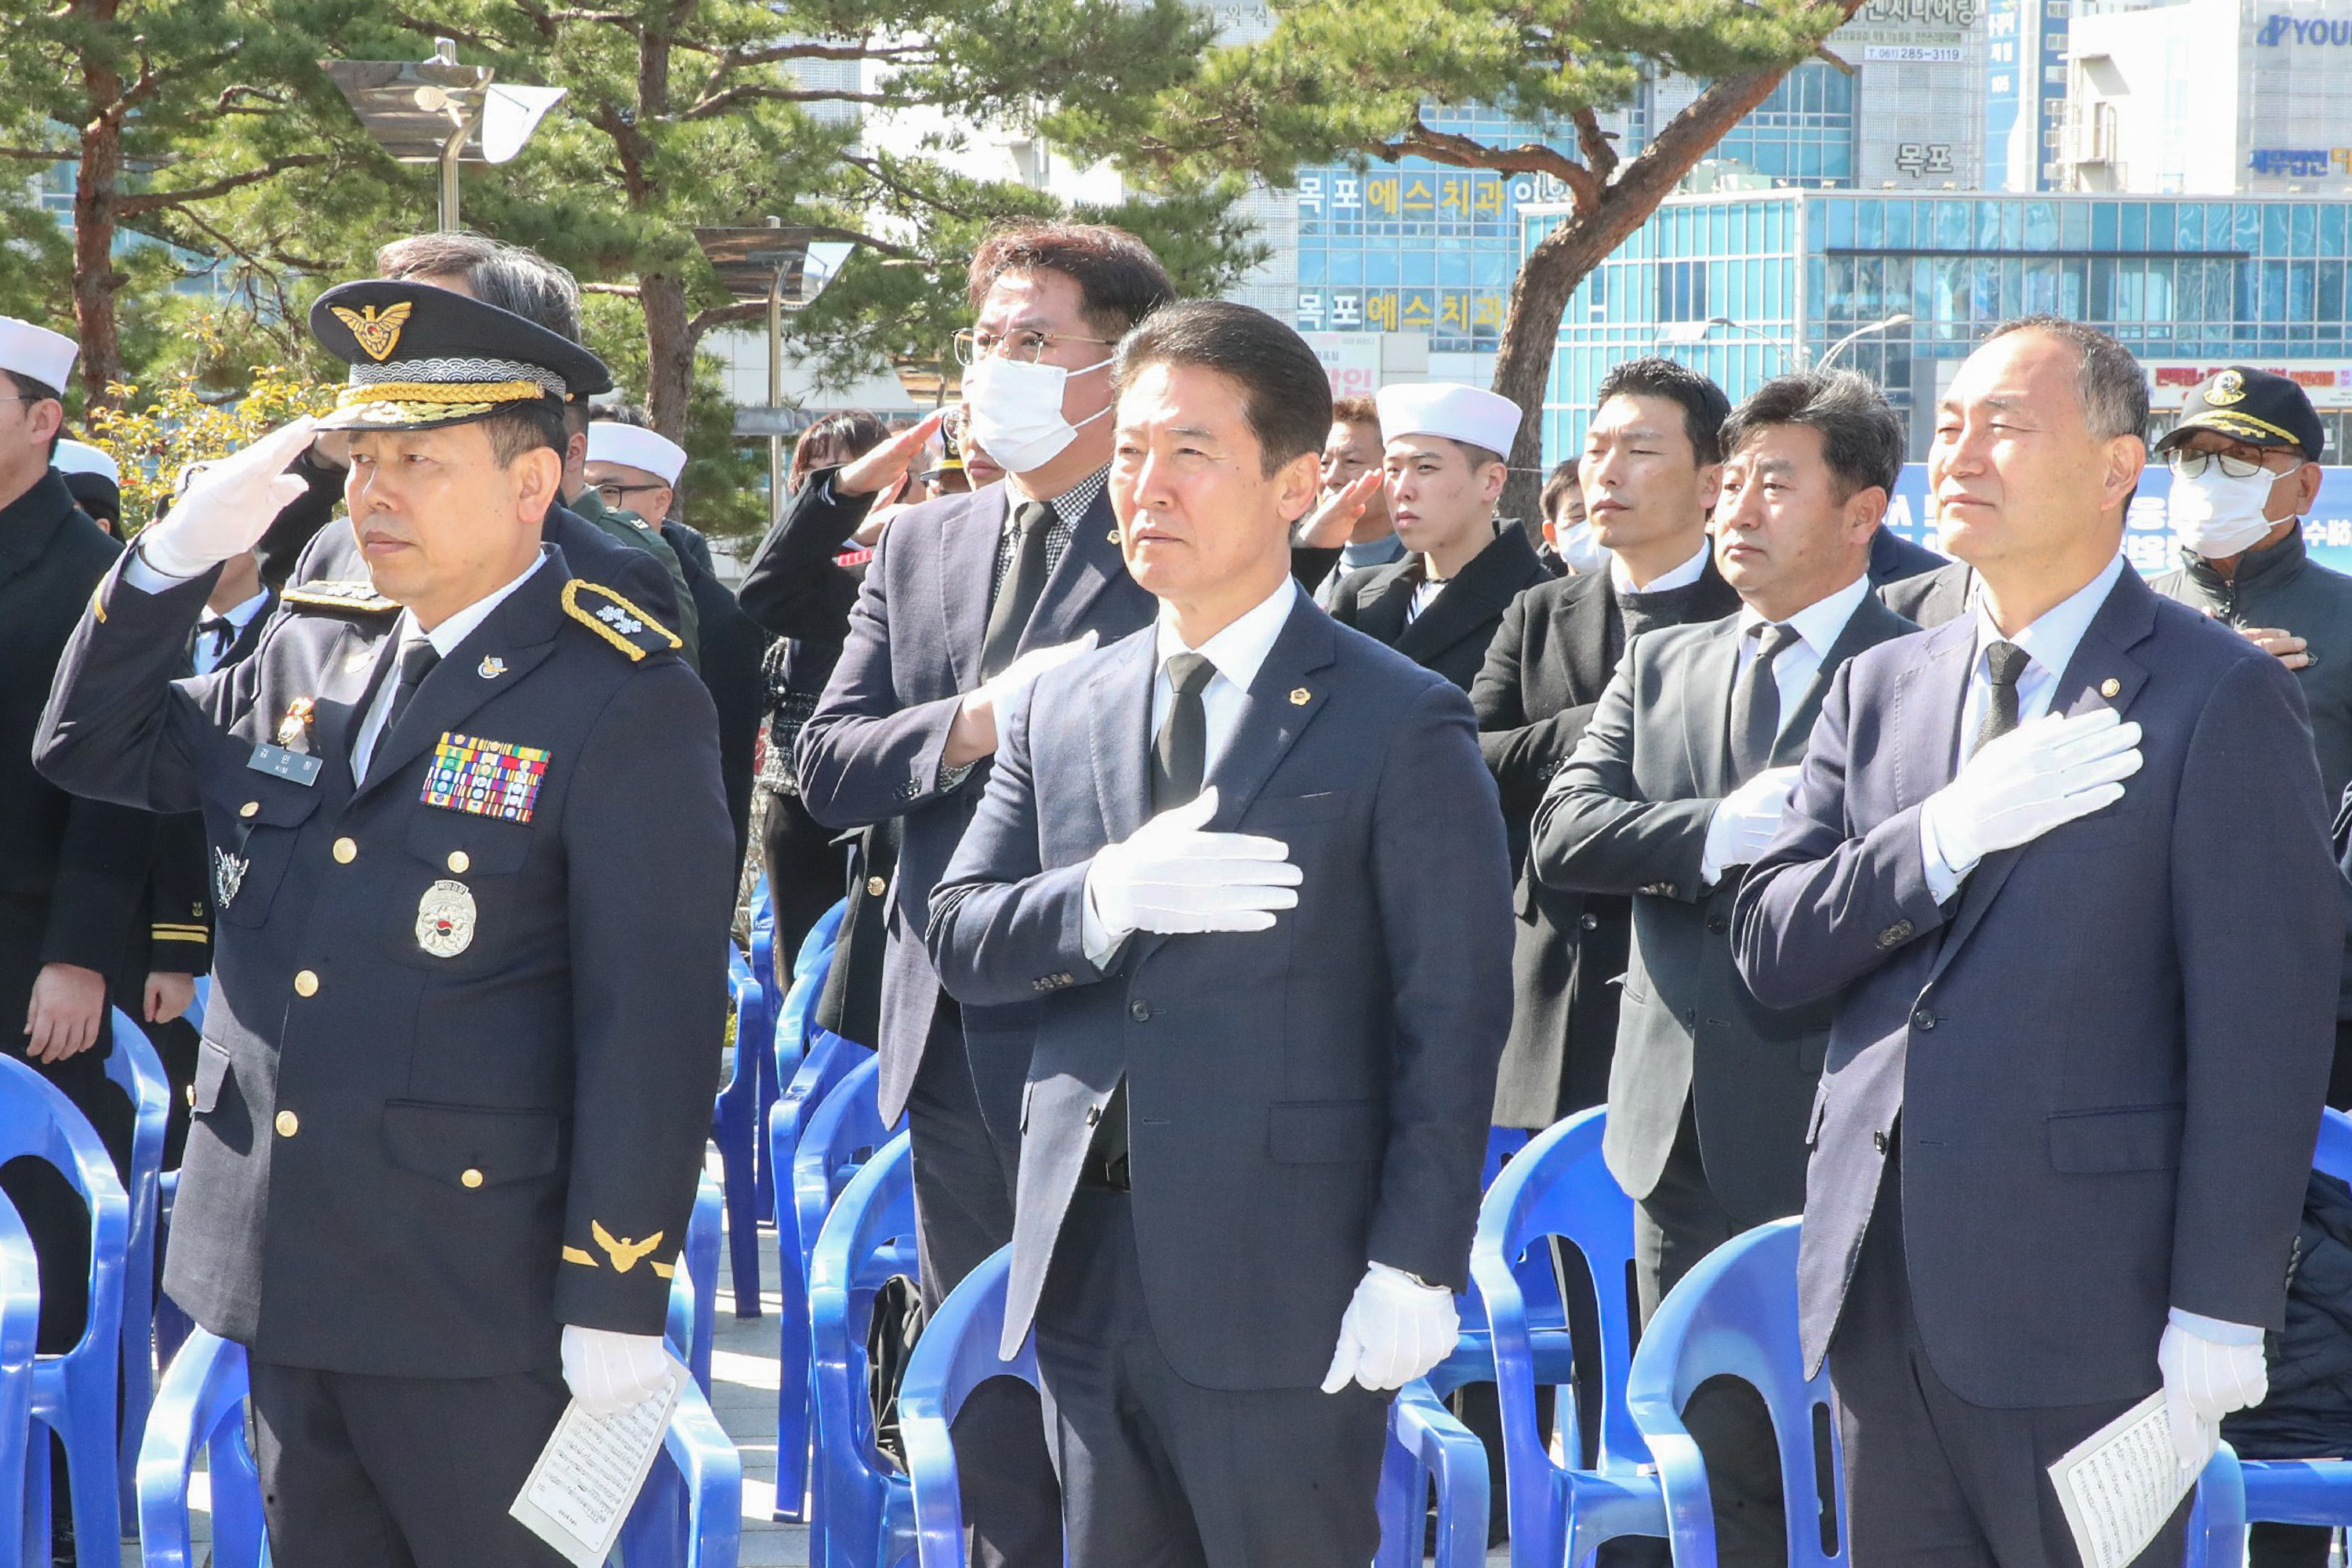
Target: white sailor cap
{"points": [[74, 456], [36, 352], [612, 441], [1466, 414]]}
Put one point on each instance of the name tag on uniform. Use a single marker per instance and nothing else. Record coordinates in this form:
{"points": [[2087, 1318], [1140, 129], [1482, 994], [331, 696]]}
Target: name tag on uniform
{"points": [[279, 763]]}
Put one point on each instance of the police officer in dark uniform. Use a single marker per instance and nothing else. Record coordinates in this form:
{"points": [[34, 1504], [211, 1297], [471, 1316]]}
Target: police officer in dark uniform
{"points": [[469, 856]]}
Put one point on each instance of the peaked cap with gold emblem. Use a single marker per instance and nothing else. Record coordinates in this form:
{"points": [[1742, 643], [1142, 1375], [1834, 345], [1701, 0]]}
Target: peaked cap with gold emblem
{"points": [[423, 357]]}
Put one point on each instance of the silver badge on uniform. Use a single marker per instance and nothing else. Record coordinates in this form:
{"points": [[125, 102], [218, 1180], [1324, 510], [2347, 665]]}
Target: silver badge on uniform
{"points": [[445, 918], [228, 876]]}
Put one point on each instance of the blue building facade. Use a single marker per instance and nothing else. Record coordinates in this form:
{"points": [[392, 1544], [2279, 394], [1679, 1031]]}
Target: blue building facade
{"points": [[1743, 285]]}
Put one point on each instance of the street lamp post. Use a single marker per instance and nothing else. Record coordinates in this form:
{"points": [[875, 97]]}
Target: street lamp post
{"points": [[438, 111], [788, 267], [1900, 319]]}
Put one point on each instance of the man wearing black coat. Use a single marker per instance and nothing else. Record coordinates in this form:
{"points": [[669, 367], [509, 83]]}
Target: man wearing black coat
{"points": [[1439, 606], [73, 872]]}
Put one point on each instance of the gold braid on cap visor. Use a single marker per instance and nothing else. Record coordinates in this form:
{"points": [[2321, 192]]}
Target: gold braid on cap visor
{"points": [[440, 392]]}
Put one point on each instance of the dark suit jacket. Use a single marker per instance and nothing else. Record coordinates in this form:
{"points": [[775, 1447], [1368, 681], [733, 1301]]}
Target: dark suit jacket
{"points": [[1301, 1101], [1629, 816], [1452, 635], [2104, 1058], [73, 871], [1933, 597], [410, 1160], [732, 645], [1894, 559], [871, 752], [1546, 669]]}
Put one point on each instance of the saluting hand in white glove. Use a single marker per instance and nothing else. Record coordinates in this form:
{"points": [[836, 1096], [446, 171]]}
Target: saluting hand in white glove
{"points": [[229, 506], [1173, 875], [2021, 785]]}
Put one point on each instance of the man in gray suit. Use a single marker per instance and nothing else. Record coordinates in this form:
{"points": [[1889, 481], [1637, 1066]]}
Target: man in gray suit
{"points": [[2083, 1016], [1677, 784], [1273, 990]]}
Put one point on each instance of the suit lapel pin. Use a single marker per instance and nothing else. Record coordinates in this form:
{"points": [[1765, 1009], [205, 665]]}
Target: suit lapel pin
{"points": [[492, 666], [1113, 536], [2110, 687], [1300, 697]]}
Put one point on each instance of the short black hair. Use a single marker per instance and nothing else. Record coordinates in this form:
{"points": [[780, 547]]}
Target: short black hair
{"points": [[523, 428], [1120, 280], [1285, 395], [1705, 407], [1558, 483], [1863, 438]]}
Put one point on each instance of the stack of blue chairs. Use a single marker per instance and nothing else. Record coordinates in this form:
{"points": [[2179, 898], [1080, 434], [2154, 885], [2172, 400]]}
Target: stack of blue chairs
{"points": [[735, 1120], [863, 1515], [138, 1071]]}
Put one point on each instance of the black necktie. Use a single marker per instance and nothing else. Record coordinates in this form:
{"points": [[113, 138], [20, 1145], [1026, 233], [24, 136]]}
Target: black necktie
{"points": [[417, 657], [1016, 597], [221, 630], [1179, 761], [1180, 752], [1755, 703], [2005, 665]]}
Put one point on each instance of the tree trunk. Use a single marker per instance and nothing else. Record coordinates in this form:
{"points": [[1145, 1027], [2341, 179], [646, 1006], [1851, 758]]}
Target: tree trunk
{"points": [[1563, 257], [670, 352], [97, 184]]}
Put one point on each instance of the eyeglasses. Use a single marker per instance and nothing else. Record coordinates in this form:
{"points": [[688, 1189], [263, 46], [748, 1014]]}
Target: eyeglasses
{"points": [[613, 494], [1025, 346], [2193, 466]]}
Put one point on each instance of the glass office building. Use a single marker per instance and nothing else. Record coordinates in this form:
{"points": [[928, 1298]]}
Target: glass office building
{"points": [[1742, 285]]}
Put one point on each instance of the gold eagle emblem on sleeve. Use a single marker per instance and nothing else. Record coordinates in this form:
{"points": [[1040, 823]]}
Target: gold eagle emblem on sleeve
{"points": [[625, 1255]]}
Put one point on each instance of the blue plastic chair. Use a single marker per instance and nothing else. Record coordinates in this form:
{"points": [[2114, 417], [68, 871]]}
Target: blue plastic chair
{"points": [[763, 970], [2232, 1492], [956, 1354], [843, 1133], [200, 1406], [688, 1516], [694, 1289], [865, 1515], [1558, 1186], [20, 1323], [734, 1127], [1736, 1315], [172, 1326], [138, 1071], [74, 1391]]}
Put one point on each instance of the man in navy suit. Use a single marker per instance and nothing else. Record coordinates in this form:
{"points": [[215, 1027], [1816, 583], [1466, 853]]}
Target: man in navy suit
{"points": [[967, 600], [1274, 986], [2084, 1018]]}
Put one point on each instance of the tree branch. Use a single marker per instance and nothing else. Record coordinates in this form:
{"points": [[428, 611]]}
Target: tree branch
{"points": [[152, 201], [1600, 156], [1468, 152], [874, 171], [719, 103], [37, 155], [732, 59], [627, 290], [433, 29]]}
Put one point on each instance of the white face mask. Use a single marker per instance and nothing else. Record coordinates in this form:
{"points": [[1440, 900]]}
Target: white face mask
{"points": [[1016, 411], [1581, 550], [2216, 516]]}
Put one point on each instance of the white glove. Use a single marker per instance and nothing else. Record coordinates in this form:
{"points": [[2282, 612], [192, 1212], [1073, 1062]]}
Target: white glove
{"points": [[1170, 874], [229, 506], [2204, 1381], [1009, 687], [2039, 775], [1396, 1328], [610, 1372], [1745, 821]]}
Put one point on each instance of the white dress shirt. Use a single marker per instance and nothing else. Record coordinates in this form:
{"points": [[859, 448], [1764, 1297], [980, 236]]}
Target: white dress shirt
{"points": [[1236, 653], [1818, 627], [1682, 576], [208, 651], [445, 639], [2049, 644]]}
